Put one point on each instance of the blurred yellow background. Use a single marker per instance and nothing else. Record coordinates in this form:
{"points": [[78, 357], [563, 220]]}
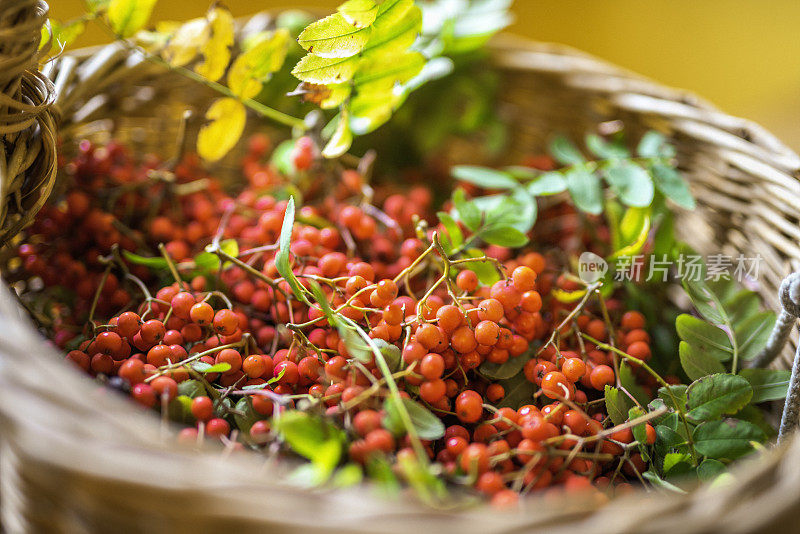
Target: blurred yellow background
{"points": [[743, 55]]}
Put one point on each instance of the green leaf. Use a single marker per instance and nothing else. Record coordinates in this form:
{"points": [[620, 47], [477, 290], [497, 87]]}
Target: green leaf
{"points": [[281, 158], [504, 236], [704, 337], [156, 262], [454, 234], [631, 184], [726, 439], [743, 305], [484, 177], [426, 424], [282, 257], [667, 439], [713, 396], [203, 367], [652, 145], [466, 211], [768, 384], [390, 352], [566, 152], [62, 34], [348, 476], [674, 396], [617, 405], [334, 37], [389, 37], [659, 482], [752, 334], [263, 56], [755, 415], [584, 187], [677, 464], [696, 363], [518, 392], [312, 437], [605, 150], [503, 371], [129, 16], [706, 302], [356, 346], [629, 382], [487, 274], [191, 388], [673, 186], [180, 409], [227, 118], [246, 416], [342, 137], [709, 469], [320, 70], [359, 12], [549, 183]]}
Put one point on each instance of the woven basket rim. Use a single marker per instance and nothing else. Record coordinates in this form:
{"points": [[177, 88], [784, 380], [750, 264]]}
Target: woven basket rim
{"points": [[508, 52]]}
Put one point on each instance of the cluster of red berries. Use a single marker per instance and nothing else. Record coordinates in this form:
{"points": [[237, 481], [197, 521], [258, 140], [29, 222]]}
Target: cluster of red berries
{"points": [[243, 334]]}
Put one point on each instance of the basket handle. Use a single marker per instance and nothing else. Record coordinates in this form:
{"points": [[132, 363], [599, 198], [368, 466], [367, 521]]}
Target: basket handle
{"points": [[790, 302], [27, 125]]}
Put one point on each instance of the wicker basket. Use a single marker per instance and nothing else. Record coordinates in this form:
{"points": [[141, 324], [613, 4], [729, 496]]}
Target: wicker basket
{"points": [[76, 458]]}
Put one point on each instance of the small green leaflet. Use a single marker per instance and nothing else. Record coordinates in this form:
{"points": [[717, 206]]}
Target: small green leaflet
{"points": [[282, 257], [359, 12], [502, 371], [709, 469], [519, 391], [566, 152], [713, 396], [484, 177], [631, 184], [584, 188], [203, 367], [704, 337], [753, 332], [617, 405], [768, 384], [726, 439], [466, 211], [245, 415], [334, 37], [426, 424], [696, 363], [314, 438], [673, 186]]}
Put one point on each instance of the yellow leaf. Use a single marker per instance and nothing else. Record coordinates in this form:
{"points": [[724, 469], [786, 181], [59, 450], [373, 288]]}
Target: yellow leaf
{"points": [[129, 16], [186, 42], [217, 50], [264, 55], [215, 139]]}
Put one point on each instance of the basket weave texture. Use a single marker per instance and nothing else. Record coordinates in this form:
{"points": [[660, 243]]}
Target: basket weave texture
{"points": [[27, 126], [77, 458]]}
